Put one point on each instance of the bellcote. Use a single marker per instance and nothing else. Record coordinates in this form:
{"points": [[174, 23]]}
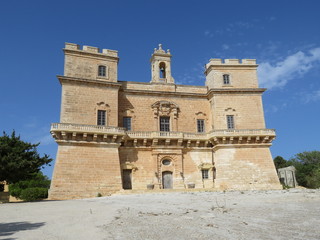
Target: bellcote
{"points": [[161, 66]]}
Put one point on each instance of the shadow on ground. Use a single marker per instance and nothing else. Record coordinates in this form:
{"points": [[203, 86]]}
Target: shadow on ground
{"points": [[7, 229]]}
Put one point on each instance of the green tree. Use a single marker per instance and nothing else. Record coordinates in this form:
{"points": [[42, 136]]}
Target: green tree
{"points": [[280, 162], [19, 160], [32, 189], [307, 166]]}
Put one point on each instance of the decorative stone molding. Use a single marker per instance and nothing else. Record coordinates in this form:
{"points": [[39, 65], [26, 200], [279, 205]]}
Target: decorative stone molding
{"points": [[206, 166], [230, 109], [103, 105], [165, 108], [201, 114], [129, 166]]}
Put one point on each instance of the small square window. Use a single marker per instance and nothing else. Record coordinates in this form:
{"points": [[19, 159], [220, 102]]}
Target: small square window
{"points": [[200, 125], [127, 123], [205, 173], [101, 119]]}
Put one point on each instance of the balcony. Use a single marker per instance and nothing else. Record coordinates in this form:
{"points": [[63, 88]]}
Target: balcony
{"points": [[242, 132], [80, 132], [91, 133], [71, 127], [240, 136]]}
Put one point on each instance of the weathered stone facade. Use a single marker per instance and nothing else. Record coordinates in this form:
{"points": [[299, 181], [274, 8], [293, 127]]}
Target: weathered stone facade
{"points": [[116, 135]]}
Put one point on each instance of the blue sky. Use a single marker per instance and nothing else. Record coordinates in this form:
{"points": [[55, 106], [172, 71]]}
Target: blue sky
{"points": [[284, 37]]}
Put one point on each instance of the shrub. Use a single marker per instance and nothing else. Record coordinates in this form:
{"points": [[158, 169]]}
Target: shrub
{"points": [[35, 193], [32, 189]]}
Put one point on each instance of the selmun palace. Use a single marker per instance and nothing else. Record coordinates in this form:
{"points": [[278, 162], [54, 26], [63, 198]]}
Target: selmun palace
{"points": [[117, 135]]}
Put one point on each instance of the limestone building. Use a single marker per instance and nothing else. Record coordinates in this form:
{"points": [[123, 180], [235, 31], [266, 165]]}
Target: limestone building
{"points": [[116, 135]]}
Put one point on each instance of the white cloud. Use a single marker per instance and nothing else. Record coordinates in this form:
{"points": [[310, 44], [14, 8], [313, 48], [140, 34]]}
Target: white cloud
{"points": [[272, 18], [46, 139], [278, 74], [225, 47], [312, 97], [208, 33]]}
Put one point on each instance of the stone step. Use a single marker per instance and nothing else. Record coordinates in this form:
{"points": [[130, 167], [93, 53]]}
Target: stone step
{"points": [[144, 191]]}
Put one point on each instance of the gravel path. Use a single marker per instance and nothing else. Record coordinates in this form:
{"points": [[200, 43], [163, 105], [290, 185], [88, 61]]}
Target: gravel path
{"points": [[287, 214]]}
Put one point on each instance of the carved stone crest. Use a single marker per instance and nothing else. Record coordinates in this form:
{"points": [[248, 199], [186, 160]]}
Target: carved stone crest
{"points": [[165, 108]]}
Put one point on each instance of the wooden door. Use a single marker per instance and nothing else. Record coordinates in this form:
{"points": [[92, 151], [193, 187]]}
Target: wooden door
{"points": [[167, 180], [126, 179]]}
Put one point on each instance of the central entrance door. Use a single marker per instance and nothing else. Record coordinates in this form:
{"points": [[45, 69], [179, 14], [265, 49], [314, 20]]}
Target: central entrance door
{"points": [[126, 179], [167, 180]]}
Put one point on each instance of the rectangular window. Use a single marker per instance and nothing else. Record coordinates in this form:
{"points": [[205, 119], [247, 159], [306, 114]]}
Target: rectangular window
{"points": [[102, 71], [101, 120], [205, 173], [226, 79], [200, 125], [230, 121], [127, 123], [165, 124]]}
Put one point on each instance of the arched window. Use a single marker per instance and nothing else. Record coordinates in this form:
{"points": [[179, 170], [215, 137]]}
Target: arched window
{"points": [[226, 79], [162, 70], [102, 71]]}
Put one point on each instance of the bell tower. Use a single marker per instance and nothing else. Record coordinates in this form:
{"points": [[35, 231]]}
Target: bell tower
{"points": [[161, 66]]}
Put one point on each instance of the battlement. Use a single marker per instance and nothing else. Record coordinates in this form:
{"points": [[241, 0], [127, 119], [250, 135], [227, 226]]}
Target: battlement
{"points": [[233, 62], [89, 49]]}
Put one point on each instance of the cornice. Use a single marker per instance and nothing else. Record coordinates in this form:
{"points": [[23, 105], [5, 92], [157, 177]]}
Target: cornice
{"points": [[228, 66], [149, 92], [63, 79], [235, 90], [90, 54]]}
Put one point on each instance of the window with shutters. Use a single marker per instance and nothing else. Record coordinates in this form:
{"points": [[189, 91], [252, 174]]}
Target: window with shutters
{"points": [[101, 119], [230, 121], [165, 124]]}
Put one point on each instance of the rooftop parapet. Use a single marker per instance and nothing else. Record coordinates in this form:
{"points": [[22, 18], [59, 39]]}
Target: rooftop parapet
{"points": [[226, 62], [90, 49]]}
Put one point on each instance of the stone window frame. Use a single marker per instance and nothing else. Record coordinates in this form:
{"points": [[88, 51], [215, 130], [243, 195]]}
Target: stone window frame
{"points": [[200, 116], [102, 106], [106, 71], [201, 125], [230, 122], [169, 109], [124, 125], [165, 126], [127, 112], [226, 79], [205, 174], [101, 117], [231, 112]]}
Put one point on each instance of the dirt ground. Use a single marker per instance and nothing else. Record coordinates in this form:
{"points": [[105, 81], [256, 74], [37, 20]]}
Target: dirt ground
{"points": [[286, 214]]}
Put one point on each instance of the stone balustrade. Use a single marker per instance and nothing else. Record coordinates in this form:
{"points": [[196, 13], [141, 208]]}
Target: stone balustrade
{"points": [[242, 132], [70, 127], [60, 130]]}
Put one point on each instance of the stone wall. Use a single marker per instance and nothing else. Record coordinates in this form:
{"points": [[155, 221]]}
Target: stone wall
{"points": [[246, 108], [138, 106], [81, 101], [84, 63], [84, 170], [245, 167]]}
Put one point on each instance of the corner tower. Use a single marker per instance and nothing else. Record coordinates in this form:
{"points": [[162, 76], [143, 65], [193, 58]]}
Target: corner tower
{"points": [[161, 66]]}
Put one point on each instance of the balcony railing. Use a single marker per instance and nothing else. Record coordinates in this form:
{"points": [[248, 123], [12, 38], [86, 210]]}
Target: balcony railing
{"points": [[242, 132], [70, 127]]}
